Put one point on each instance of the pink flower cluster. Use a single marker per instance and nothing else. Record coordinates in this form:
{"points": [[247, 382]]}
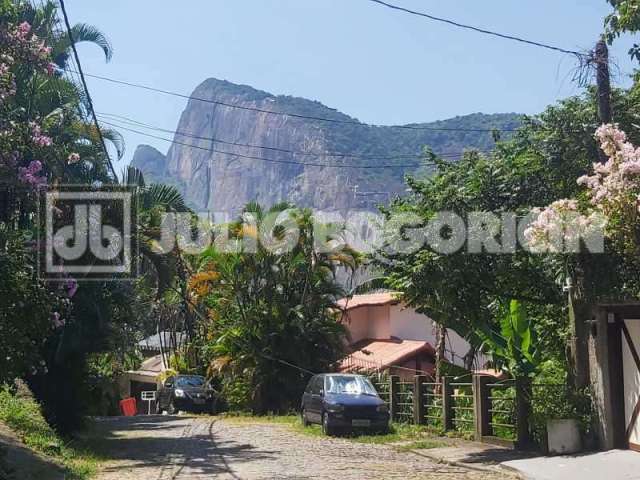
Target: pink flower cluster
{"points": [[7, 82], [29, 175], [560, 226], [37, 137], [616, 183], [19, 44], [73, 158], [27, 46]]}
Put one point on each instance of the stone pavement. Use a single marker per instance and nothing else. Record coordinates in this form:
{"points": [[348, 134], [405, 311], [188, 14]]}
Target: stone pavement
{"points": [[190, 448], [474, 455], [613, 465]]}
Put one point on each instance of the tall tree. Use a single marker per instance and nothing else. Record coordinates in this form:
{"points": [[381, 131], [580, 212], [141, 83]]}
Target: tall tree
{"points": [[269, 296]]}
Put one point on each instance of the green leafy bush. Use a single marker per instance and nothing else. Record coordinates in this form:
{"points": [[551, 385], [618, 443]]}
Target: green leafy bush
{"points": [[24, 416], [554, 399]]}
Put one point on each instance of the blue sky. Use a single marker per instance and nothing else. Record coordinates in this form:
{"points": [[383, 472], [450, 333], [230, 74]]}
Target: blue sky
{"points": [[370, 62]]}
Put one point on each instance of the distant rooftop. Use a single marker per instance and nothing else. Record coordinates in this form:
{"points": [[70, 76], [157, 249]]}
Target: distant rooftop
{"points": [[153, 343], [386, 353], [369, 300]]}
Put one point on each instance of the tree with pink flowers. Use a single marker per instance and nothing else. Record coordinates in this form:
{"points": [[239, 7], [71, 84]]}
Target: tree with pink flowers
{"points": [[612, 200]]}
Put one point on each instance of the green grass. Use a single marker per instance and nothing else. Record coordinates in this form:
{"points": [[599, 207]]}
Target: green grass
{"points": [[24, 417], [398, 432]]}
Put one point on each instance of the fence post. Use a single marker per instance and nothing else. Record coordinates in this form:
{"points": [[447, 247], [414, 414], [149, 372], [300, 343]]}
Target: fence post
{"points": [[394, 389], [419, 400], [447, 404], [482, 406]]}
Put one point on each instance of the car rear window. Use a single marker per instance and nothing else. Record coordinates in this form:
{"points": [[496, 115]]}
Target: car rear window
{"points": [[189, 381]]}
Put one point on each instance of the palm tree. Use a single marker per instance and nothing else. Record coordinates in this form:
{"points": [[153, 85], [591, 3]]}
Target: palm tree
{"points": [[49, 96], [152, 202], [270, 316], [46, 24]]}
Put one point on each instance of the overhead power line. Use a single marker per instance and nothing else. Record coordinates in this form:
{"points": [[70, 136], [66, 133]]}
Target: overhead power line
{"points": [[479, 30], [121, 119], [269, 160], [86, 88], [296, 115]]}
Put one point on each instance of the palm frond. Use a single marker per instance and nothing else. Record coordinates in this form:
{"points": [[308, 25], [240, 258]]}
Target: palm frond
{"points": [[116, 139], [88, 131], [83, 32], [54, 91], [132, 177], [166, 196]]}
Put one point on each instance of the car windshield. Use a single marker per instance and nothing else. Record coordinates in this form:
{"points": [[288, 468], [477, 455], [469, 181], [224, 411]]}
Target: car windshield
{"points": [[189, 381], [349, 385]]}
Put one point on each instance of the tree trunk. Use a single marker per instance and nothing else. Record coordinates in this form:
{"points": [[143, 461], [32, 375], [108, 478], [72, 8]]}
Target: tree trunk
{"points": [[440, 350], [579, 315], [523, 411]]}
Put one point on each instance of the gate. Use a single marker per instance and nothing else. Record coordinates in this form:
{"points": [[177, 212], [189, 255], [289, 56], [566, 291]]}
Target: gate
{"points": [[631, 380]]}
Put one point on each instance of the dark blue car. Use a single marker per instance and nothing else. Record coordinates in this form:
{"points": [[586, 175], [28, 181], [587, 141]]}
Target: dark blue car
{"points": [[341, 402]]}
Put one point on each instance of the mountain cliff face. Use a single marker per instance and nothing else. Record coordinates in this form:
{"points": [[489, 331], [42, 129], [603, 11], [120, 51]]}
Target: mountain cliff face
{"points": [[214, 175]]}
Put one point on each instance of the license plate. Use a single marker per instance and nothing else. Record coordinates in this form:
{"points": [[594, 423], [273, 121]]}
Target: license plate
{"points": [[360, 423], [198, 401]]}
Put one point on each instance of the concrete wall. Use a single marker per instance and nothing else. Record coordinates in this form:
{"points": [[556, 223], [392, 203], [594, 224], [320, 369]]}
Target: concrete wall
{"points": [[387, 321], [408, 324], [366, 323]]}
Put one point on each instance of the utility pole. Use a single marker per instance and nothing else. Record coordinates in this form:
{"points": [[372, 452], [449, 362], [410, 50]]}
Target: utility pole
{"points": [[603, 80], [580, 303]]}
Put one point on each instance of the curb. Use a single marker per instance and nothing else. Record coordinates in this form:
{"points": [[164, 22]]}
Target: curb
{"points": [[491, 469]]}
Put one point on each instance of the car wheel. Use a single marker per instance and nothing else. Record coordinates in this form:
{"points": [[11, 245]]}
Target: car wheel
{"points": [[305, 421], [326, 428], [171, 408]]}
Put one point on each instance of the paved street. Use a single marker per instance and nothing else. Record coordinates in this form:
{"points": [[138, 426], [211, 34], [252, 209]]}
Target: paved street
{"points": [[613, 465], [162, 448]]}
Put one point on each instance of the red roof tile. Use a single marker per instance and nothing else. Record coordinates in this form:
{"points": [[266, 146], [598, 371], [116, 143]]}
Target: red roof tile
{"points": [[386, 353]]}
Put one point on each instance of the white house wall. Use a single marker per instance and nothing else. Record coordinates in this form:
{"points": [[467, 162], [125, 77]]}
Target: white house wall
{"points": [[369, 323], [631, 379], [407, 324]]}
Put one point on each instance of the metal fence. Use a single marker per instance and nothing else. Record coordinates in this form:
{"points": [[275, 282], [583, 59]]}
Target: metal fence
{"points": [[483, 408]]}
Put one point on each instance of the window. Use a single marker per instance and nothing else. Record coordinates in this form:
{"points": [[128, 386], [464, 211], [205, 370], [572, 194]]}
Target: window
{"points": [[318, 385], [190, 382], [349, 385], [310, 385]]}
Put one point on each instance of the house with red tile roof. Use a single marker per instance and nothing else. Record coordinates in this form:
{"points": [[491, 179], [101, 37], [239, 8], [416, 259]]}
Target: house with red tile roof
{"points": [[386, 335]]}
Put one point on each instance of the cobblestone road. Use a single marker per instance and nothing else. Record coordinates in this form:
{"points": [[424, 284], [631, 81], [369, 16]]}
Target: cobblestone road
{"points": [[178, 448]]}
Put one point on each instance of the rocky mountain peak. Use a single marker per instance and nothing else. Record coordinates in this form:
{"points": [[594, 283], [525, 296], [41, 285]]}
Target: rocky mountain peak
{"points": [[301, 164]]}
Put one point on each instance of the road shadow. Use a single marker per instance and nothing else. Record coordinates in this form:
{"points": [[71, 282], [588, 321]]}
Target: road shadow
{"points": [[495, 456], [174, 444]]}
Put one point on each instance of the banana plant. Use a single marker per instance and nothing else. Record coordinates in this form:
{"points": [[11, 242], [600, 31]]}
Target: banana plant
{"points": [[515, 347], [516, 350]]}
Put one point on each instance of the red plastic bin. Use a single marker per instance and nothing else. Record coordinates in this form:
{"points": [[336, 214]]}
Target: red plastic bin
{"points": [[128, 407]]}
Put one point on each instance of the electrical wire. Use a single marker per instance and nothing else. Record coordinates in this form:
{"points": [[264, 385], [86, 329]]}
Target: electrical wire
{"points": [[296, 115], [86, 88], [478, 30], [136, 123], [268, 160]]}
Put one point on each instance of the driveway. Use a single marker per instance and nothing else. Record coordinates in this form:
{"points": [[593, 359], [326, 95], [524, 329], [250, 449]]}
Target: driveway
{"points": [[163, 448], [613, 465]]}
